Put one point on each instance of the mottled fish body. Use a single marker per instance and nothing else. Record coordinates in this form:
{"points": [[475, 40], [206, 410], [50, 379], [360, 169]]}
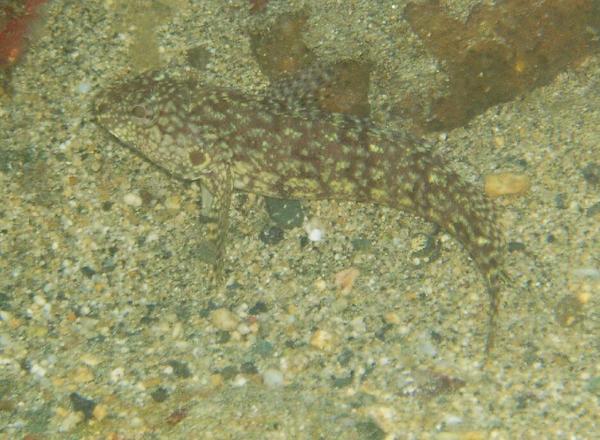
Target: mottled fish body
{"points": [[227, 140]]}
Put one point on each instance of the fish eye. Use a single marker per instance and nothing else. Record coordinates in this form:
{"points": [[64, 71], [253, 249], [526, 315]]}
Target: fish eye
{"points": [[143, 115]]}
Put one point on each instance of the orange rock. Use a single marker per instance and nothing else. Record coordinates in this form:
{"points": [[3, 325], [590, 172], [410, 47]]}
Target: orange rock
{"points": [[506, 183], [344, 280], [504, 49]]}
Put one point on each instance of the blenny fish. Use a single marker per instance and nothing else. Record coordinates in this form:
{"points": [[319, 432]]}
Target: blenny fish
{"points": [[268, 145]]}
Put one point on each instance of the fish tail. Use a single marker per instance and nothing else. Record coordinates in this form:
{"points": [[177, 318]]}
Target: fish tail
{"points": [[496, 279]]}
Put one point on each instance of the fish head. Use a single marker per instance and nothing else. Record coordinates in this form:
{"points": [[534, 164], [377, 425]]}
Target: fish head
{"points": [[153, 115]]}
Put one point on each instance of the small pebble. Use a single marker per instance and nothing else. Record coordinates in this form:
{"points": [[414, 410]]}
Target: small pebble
{"points": [[322, 340], [229, 372], [82, 404], [560, 201], [344, 279], [362, 244], [586, 272], [248, 368], [224, 319], [84, 87], [117, 374], [132, 199], [271, 235], [259, 307], [568, 311], [273, 378], [506, 183], [82, 375], [88, 272], [391, 318], [173, 203], [160, 394], [100, 412], [38, 371], [263, 348], [591, 173], [593, 210], [314, 229], [180, 369], [285, 213], [239, 381], [198, 57]]}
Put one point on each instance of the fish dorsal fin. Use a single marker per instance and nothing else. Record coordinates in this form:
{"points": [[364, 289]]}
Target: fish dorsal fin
{"points": [[314, 90]]}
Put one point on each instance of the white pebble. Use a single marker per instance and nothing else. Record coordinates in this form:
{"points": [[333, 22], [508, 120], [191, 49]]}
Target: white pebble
{"points": [[453, 420], [239, 381], [84, 87], [315, 230], [117, 374], [132, 199], [586, 272], [38, 371], [273, 378], [39, 300]]}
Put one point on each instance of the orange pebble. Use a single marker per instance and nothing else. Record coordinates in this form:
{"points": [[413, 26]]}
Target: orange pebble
{"points": [[501, 184]]}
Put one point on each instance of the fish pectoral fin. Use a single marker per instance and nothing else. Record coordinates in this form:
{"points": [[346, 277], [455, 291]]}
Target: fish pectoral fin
{"points": [[219, 189]]}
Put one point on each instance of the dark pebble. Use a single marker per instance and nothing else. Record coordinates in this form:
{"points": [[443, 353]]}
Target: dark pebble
{"points": [[5, 301], [223, 337], [258, 308], [233, 287], [88, 272], [304, 241], [198, 57], [165, 254], [205, 311], [593, 210], [341, 382], [82, 404], [522, 400], [345, 357], [568, 311], [160, 394], [263, 348], [380, 334], [591, 174], [369, 431], [206, 252], [229, 372], [593, 385], [560, 201], [294, 343], [180, 369], [248, 368], [285, 213], [25, 364], [271, 235], [515, 246], [108, 265], [362, 244], [183, 312]]}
